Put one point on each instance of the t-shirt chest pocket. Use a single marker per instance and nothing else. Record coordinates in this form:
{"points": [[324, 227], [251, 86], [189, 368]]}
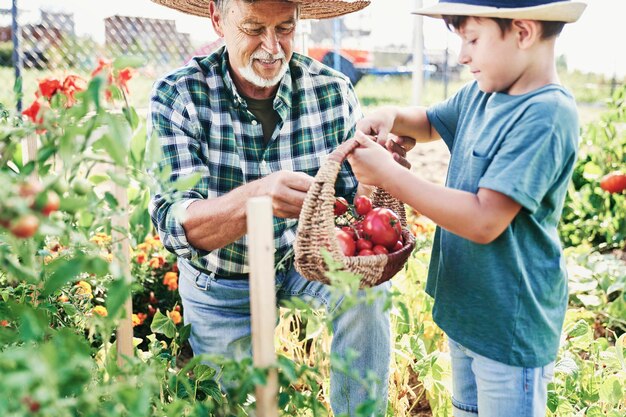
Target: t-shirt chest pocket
{"points": [[476, 168]]}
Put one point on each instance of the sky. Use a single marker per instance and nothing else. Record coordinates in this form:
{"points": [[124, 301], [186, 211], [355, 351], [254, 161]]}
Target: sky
{"points": [[593, 44]]}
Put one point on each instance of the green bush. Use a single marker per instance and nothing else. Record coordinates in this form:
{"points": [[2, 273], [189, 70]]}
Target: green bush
{"points": [[6, 54], [592, 215]]}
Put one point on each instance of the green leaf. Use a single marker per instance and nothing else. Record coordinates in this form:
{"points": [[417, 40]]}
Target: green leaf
{"points": [[580, 328], [98, 178], [73, 204], [66, 271], [118, 291], [112, 147], [138, 146], [592, 171], [203, 372], [187, 182], [163, 324]]}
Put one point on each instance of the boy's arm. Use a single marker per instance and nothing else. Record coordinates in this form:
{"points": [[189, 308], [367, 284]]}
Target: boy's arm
{"points": [[480, 217], [404, 122]]}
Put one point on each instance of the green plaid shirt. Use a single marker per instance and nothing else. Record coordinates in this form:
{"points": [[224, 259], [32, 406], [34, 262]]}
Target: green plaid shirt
{"points": [[203, 126]]}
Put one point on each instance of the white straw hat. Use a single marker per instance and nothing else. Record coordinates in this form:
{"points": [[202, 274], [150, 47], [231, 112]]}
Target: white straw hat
{"points": [[545, 10], [309, 9]]}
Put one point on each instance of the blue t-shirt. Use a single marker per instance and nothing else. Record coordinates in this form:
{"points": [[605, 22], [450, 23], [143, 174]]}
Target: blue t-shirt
{"points": [[506, 300]]}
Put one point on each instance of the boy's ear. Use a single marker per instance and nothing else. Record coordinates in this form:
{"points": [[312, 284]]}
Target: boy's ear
{"points": [[527, 32]]}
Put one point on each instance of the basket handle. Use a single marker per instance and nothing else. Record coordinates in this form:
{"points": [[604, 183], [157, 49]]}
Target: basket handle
{"points": [[380, 197]]}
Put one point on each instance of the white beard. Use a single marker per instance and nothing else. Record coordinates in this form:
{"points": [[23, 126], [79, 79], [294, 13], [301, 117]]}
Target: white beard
{"points": [[249, 75]]}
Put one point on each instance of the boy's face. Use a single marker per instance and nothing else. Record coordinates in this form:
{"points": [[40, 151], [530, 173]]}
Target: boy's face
{"points": [[492, 57]]}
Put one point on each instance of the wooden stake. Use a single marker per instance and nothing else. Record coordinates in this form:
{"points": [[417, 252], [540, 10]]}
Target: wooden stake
{"points": [[121, 251], [263, 299]]}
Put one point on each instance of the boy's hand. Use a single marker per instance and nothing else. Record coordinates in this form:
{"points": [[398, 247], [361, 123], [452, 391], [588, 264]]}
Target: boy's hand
{"points": [[370, 162], [379, 124]]}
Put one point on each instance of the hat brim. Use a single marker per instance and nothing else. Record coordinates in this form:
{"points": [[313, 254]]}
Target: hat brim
{"points": [[563, 11], [309, 9]]}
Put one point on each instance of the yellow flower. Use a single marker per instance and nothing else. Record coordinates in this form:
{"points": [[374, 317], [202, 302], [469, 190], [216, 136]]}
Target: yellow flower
{"points": [[100, 310], [84, 288]]}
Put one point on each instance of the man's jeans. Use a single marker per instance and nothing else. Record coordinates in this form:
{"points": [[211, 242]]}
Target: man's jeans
{"points": [[487, 388], [219, 313]]}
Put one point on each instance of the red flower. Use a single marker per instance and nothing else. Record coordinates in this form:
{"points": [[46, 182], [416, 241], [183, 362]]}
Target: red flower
{"points": [[49, 87], [123, 77], [71, 85], [102, 64], [33, 112]]}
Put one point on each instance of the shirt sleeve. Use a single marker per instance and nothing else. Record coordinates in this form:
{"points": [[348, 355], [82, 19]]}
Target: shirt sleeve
{"points": [[171, 123], [444, 116], [531, 158]]}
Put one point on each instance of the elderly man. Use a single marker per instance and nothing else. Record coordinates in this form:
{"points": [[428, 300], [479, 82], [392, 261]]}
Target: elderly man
{"points": [[256, 119]]}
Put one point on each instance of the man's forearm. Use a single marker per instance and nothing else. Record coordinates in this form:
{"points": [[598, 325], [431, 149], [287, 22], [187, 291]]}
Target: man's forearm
{"points": [[215, 223]]}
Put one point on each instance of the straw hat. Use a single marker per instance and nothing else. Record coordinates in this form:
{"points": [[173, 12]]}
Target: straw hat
{"points": [[309, 9], [545, 10]]}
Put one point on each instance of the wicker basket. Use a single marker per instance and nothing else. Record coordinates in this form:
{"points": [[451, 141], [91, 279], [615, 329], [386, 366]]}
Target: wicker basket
{"points": [[316, 230]]}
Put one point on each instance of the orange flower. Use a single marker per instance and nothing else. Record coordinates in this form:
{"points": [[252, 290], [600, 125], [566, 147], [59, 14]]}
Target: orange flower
{"points": [[157, 261], [175, 316], [170, 280], [48, 87], [4, 323], [138, 319], [141, 258], [100, 311]]}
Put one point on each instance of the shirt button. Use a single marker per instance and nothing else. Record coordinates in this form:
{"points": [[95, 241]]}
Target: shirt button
{"points": [[254, 123]]}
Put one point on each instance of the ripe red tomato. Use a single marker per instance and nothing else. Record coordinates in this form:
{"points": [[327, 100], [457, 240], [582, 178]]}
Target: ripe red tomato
{"points": [[25, 226], [346, 243], [341, 206], [615, 182], [399, 245], [366, 252], [383, 227], [362, 205], [53, 202], [363, 244], [349, 231], [380, 250]]}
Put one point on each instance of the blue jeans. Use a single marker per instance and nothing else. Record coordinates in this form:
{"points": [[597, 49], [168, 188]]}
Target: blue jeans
{"points": [[487, 388], [219, 313]]}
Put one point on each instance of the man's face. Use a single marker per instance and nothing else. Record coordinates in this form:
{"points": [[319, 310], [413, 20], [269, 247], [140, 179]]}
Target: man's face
{"points": [[259, 38]]}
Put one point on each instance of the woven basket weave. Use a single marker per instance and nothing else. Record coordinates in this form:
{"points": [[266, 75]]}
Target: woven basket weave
{"points": [[316, 230]]}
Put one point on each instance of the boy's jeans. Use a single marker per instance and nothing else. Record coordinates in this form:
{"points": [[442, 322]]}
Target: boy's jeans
{"points": [[219, 313], [487, 388]]}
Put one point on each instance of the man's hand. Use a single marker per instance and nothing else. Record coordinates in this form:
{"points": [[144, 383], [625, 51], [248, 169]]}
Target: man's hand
{"points": [[288, 190]]}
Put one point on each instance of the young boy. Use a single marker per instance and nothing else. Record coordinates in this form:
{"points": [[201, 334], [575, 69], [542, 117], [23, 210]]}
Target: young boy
{"points": [[497, 272]]}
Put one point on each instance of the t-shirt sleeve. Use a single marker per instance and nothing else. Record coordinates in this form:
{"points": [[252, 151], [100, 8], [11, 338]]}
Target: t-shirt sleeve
{"points": [[530, 159], [444, 116]]}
